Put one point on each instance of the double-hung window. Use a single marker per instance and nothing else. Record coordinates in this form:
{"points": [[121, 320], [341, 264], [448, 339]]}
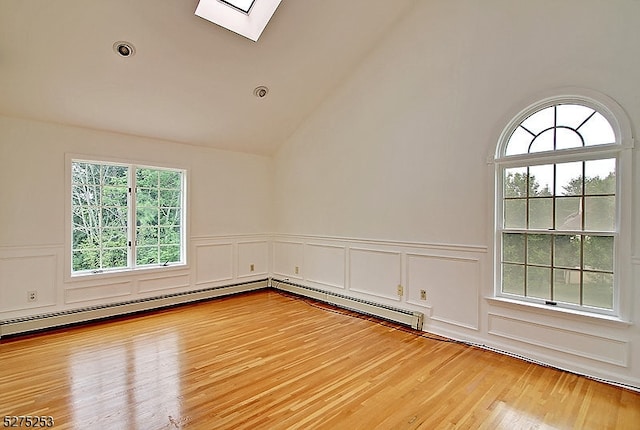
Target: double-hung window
{"points": [[125, 216], [558, 208]]}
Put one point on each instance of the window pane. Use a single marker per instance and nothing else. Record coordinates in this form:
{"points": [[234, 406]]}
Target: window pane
{"points": [[114, 175], [572, 115], [114, 196], [85, 195], [515, 213], [539, 282], [566, 138], [169, 235], [513, 248], [86, 259], [598, 253], [114, 258], [169, 179], [515, 182], [542, 142], [147, 178], [568, 213], [114, 237], [541, 213], [539, 249], [600, 213], [566, 286], [513, 279], [569, 179], [147, 197], [85, 173], [147, 236], [600, 176], [147, 255], [597, 131], [539, 121], [519, 142], [169, 198], [566, 251], [114, 216], [598, 290], [169, 216], [169, 254], [541, 180], [147, 216]]}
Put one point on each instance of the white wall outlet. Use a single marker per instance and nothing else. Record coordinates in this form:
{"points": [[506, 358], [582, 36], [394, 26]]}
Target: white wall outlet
{"points": [[400, 290], [32, 296], [297, 270], [423, 294]]}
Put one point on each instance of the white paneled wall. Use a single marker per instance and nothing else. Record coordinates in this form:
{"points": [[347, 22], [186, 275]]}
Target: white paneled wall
{"points": [[375, 272], [393, 273], [451, 284], [213, 261]]}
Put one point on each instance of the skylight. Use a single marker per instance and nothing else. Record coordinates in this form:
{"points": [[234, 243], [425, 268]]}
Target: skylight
{"points": [[243, 5], [248, 18]]}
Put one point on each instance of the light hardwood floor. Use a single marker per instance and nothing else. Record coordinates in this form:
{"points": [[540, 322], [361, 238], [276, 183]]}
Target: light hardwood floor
{"points": [[268, 361]]}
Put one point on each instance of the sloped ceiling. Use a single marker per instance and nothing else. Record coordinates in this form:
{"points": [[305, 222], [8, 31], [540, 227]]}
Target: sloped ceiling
{"points": [[189, 81]]}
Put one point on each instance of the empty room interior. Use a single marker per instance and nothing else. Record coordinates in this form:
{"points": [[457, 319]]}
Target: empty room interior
{"points": [[319, 214]]}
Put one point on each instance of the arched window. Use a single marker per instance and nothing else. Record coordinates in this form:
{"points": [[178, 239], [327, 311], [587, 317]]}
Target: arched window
{"points": [[558, 206]]}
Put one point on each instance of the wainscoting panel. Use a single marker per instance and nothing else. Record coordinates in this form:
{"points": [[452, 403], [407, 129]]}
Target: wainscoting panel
{"points": [[325, 264], [580, 344], [110, 290], [375, 272], [253, 258], [28, 270], [452, 287], [214, 262], [160, 283], [288, 259]]}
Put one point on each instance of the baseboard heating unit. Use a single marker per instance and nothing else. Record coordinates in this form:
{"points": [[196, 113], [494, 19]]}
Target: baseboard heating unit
{"points": [[390, 313], [75, 316]]}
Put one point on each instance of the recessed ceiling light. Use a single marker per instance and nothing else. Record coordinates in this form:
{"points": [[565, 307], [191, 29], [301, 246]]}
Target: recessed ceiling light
{"points": [[124, 49], [261, 91]]}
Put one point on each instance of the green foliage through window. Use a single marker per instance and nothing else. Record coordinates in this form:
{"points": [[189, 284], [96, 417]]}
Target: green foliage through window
{"points": [[103, 200]]}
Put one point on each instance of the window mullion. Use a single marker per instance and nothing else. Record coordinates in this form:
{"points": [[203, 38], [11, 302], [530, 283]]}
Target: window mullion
{"points": [[132, 217]]}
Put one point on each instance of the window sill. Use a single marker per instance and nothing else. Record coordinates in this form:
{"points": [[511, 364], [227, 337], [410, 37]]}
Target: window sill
{"points": [[126, 272], [571, 314]]}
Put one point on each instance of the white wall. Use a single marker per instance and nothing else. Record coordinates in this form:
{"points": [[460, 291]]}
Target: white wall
{"points": [[229, 211], [391, 171]]}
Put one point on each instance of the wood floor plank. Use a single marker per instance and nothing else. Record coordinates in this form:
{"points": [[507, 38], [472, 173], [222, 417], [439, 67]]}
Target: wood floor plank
{"points": [[268, 361]]}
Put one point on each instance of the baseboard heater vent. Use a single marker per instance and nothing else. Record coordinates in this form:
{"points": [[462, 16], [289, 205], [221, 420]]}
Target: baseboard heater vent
{"points": [[390, 313], [75, 316]]}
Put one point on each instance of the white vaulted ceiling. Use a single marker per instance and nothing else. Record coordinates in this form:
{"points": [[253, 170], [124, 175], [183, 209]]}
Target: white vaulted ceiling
{"points": [[190, 80]]}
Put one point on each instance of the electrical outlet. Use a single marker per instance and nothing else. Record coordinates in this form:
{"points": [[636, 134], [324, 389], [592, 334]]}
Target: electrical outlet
{"points": [[297, 270], [252, 268], [423, 294], [32, 296], [400, 290]]}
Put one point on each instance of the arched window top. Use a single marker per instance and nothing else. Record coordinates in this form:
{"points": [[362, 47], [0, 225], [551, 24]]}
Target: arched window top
{"points": [[560, 126]]}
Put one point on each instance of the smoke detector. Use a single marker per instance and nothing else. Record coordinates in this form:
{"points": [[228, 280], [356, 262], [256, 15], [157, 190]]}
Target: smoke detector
{"points": [[261, 92], [124, 49]]}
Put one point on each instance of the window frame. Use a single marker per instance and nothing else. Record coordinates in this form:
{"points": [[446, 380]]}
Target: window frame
{"points": [[620, 150], [132, 266]]}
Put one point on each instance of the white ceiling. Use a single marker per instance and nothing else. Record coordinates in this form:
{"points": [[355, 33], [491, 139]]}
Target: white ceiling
{"points": [[190, 80]]}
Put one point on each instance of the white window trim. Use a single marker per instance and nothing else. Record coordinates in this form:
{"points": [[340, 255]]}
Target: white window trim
{"points": [[622, 149], [69, 275]]}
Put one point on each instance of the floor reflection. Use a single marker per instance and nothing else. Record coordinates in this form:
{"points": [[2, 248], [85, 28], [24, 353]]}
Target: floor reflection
{"points": [[133, 384]]}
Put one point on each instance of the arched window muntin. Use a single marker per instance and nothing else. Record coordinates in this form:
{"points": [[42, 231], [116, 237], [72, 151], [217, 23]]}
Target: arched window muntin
{"points": [[566, 283]]}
